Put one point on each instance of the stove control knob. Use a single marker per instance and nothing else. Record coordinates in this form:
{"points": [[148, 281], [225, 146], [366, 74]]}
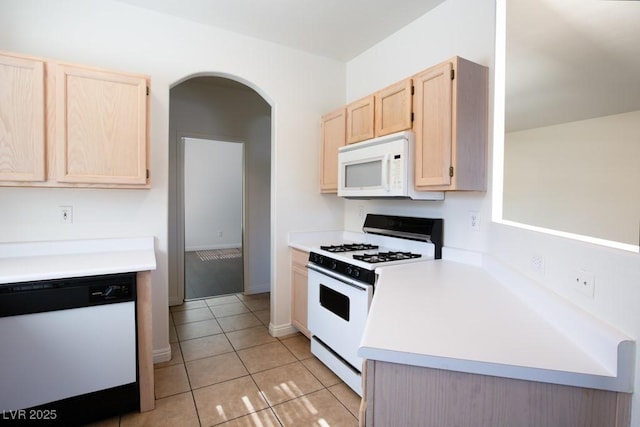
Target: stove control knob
{"points": [[349, 270], [356, 273], [334, 265]]}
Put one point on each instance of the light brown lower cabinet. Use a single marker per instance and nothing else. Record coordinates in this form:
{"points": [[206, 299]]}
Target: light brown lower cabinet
{"points": [[299, 290], [403, 395], [145, 345]]}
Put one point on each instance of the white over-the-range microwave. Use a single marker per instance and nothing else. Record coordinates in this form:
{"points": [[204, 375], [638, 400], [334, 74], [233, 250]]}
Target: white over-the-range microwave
{"points": [[380, 168]]}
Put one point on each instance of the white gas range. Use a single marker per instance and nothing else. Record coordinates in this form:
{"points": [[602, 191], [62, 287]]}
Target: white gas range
{"points": [[341, 284]]}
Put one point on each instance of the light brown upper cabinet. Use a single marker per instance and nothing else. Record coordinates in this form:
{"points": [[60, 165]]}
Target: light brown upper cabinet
{"points": [[386, 111], [393, 108], [22, 119], [333, 137], [446, 106], [360, 116], [101, 126], [64, 125], [450, 108]]}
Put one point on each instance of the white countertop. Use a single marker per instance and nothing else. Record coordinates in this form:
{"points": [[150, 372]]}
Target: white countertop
{"points": [[448, 315], [29, 261]]}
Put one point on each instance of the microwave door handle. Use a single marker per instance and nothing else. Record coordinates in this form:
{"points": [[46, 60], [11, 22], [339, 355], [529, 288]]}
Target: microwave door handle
{"points": [[385, 172]]}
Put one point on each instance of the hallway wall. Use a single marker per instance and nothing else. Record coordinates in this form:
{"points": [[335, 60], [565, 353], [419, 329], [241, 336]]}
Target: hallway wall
{"points": [[201, 108], [213, 181]]}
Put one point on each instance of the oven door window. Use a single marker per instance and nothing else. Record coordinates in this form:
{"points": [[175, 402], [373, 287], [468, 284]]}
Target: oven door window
{"points": [[362, 175], [335, 302]]}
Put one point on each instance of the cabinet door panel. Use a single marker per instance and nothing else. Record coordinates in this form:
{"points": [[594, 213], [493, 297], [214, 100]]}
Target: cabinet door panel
{"points": [[360, 115], [101, 126], [333, 137], [393, 108], [22, 119], [299, 290], [299, 314], [433, 125]]}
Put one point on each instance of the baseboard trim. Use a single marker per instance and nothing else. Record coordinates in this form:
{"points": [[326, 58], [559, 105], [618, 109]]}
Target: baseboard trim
{"points": [[282, 330], [161, 355], [257, 289], [175, 301]]}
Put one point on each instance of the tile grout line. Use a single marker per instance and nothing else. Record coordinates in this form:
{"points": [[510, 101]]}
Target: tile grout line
{"points": [[281, 340], [249, 374], [234, 350]]}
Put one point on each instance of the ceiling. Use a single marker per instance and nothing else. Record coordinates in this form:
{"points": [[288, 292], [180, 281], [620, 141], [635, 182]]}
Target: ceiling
{"points": [[339, 29], [567, 60], [570, 60]]}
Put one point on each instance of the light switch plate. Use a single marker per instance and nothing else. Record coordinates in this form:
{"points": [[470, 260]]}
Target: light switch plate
{"points": [[66, 214]]}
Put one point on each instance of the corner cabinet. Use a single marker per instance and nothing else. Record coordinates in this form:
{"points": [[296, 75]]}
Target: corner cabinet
{"points": [[333, 137], [299, 290], [64, 125], [450, 123]]}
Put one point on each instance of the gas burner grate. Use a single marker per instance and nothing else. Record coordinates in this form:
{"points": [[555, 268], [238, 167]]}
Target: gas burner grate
{"points": [[349, 247], [386, 256]]}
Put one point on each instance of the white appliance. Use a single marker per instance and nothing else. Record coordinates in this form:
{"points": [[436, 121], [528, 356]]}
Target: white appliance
{"points": [[380, 168], [69, 348], [341, 285]]}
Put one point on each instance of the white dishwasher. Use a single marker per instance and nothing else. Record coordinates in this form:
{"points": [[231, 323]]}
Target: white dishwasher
{"points": [[68, 349]]}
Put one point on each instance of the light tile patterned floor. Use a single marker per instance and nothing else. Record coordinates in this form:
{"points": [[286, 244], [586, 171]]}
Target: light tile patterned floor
{"points": [[228, 371]]}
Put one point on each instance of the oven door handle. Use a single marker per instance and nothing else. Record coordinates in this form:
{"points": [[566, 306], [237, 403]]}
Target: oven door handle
{"points": [[338, 277]]}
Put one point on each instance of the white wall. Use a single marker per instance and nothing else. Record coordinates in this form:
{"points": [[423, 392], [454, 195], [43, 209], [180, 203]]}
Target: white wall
{"points": [[213, 181], [580, 171], [466, 28], [104, 33]]}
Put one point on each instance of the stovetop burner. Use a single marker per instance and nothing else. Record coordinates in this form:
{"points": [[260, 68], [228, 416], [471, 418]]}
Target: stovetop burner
{"points": [[401, 239], [386, 256], [349, 247]]}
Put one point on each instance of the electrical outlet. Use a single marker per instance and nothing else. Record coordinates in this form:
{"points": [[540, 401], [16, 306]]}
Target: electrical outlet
{"points": [[537, 264], [474, 220], [66, 214], [360, 211], [585, 282], [220, 233]]}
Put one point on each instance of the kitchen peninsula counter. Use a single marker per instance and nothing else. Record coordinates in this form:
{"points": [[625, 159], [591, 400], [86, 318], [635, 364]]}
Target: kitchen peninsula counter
{"points": [[478, 345], [448, 315]]}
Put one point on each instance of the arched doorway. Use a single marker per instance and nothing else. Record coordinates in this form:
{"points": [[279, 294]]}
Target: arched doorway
{"points": [[219, 108]]}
